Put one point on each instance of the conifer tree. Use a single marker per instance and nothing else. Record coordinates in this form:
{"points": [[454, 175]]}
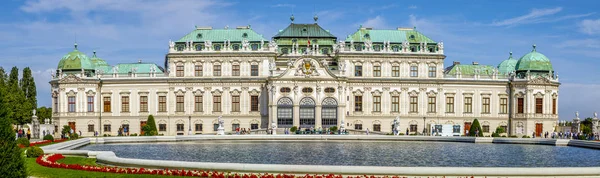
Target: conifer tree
{"points": [[151, 126], [28, 87], [10, 155], [475, 127]]}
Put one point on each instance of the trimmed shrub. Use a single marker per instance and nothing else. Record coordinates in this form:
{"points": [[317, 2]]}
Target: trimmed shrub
{"points": [[500, 130], [333, 128], [475, 127], [133, 134], [526, 136], [495, 135], [151, 130], [400, 133], [513, 136], [23, 141], [49, 137], [293, 129], [74, 136], [10, 154], [34, 152], [66, 130]]}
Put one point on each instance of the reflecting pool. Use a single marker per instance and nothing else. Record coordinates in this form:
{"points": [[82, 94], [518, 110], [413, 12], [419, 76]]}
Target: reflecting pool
{"points": [[359, 153]]}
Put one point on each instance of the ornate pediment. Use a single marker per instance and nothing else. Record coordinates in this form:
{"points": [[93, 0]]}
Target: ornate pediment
{"points": [[307, 68], [70, 79], [540, 80]]}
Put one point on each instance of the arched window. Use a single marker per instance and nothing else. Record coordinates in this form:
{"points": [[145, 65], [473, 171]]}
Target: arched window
{"points": [[329, 90], [307, 112], [329, 112], [307, 90], [236, 47], [254, 47], [325, 51], [284, 51], [199, 47], [217, 47], [395, 48], [285, 90], [285, 113]]}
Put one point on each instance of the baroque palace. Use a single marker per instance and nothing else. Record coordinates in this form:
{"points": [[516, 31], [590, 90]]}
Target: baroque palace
{"points": [[306, 77]]}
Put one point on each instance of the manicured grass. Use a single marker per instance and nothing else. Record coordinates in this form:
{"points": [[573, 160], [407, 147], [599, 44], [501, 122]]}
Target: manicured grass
{"points": [[78, 160], [37, 170]]}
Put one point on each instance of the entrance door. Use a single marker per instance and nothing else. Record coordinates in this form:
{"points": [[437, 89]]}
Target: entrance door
{"points": [[72, 125], [467, 127], [142, 124], [538, 130]]}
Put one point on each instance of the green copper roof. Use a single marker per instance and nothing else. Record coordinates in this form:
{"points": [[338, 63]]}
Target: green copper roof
{"points": [[139, 68], [304, 42], [394, 36], [75, 60], [467, 69], [98, 61], [534, 61], [304, 31], [507, 66], [220, 35]]}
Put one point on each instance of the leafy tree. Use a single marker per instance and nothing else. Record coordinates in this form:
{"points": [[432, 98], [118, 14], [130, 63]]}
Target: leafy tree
{"points": [[28, 87], [44, 113], [10, 154], [475, 127], [150, 127], [16, 98], [500, 130]]}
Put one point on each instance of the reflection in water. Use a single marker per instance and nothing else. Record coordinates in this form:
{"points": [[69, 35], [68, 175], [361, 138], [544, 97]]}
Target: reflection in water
{"points": [[364, 153]]}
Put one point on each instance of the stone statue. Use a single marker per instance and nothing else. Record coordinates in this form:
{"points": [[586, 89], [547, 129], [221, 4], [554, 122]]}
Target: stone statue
{"points": [[272, 45], [576, 114], [440, 45], [342, 66], [290, 63], [171, 44], [324, 62], [245, 44], [274, 128], [595, 114], [272, 65], [368, 44], [405, 45], [352, 42], [191, 44], [115, 69], [34, 111], [207, 44], [221, 129], [262, 43]]}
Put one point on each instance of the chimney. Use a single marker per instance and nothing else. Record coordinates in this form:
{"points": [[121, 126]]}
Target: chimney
{"points": [[456, 63], [475, 63]]}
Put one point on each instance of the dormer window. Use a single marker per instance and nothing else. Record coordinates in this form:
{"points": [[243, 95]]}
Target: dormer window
{"points": [[325, 51], [367, 36], [217, 47], [395, 48], [245, 35], [304, 30], [285, 90], [179, 47], [254, 47], [199, 47], [236, 47], [358, 48], [294, 40], [284, 51], [376, 47], [199, 35], [412, 37], [329, 90]]}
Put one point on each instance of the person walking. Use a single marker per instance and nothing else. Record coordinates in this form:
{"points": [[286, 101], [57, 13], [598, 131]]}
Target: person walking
{"points": [[406, 131], [367, 131], [28, 134]]}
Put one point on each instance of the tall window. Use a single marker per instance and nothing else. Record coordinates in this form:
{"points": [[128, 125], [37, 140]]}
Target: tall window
{"points": [[395, 71], [376, 71], [520, 105], [162, 127], [235, 70], [413, 127], [414, 71], [90, 103], [357, 103], [450, 104], [216, 103], [377, 127], [358, 71], [106, 104], [180, 127], [485, 128], [91, 128], [235, 103], [198, 70], [431, 104], [162, 104], [179, 71], [432, 71], [179, 102], [485, 105], [55, 109], [71, 104], [357, 126], [198, 103], [143, 103], [503, 105], [198, 127], [124, 103], [106, 127], [254, 70], [395, 103], [253, 103], [216, 70], [554, 106], [468, 105], [376, 103], [414, 104], [539, 105]]}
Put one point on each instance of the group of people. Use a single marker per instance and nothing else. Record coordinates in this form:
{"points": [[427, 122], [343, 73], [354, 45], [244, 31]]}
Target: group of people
{"points": [[572, 135], [123, 131], [242, 131], [21, 133]]}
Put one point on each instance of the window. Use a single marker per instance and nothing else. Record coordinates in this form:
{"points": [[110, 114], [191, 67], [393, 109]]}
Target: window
{"points": [[253, 126], [357, 103], [324, 51], [162, 127], [485, 105], [198, 70], [329, 90], [198, 127], [414, 104], [485, 128], [395, 71], [450, 104], [106, 127], [357, 126], [254, 47], [91, 128], [307, 90], [285, 112], [236, 47], [431, 104], [358, 48], [179, 71], [253, 103], [235, 70], [106, 104], [234, 127], [216, 103], [414, 71], [90, 104], [217, 47], [432, 71], [143, 103], [413, 127], [395, 103], [55, 104], [554, 106], [71, 104], [198, 103], [358, 71], [520, 105], [124, 103], [395, 48], [376, 103], [468, 104], [254, 70], [539, 103], [284, 51], [503, 105], [162, 104], [199, 47], [179, 47], [180, 127], [216, 70], [376, 71], [215, 127], [235, 103], [377, 127], [285, 90], [179, 101]]}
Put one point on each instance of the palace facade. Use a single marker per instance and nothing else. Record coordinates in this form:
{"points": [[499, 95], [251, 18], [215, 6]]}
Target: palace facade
{"points": [[304, 76]]}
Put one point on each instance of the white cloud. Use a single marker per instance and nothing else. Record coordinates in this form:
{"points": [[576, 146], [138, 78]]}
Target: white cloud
{"points": [[590, 27], [533, 16], [377, 22], [284, 5], [412, 7]]}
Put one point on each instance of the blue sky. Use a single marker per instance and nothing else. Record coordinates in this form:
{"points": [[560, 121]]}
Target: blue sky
{"points": [[38, 33]]}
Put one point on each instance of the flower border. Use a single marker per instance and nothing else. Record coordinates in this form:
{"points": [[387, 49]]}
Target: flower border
{"points": [[43, 142]]}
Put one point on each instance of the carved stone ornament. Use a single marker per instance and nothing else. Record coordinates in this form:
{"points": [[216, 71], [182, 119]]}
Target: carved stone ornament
{"points": [[70, 79], [540, 80], [307, 68]]}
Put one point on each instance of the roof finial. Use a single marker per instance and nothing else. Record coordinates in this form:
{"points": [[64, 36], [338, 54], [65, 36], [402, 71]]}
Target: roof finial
{"points": [[75, 45], [292, 18], [414, 27], [316, 18], [510, 53], [94, 53], [533, 47]]}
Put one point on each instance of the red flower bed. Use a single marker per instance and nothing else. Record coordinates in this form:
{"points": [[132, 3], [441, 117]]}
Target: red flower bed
{"points": [[49, 160], [43, 142]]}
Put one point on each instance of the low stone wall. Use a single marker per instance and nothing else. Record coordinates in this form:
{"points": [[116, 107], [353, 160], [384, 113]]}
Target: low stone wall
{"points": [[107, 157]]}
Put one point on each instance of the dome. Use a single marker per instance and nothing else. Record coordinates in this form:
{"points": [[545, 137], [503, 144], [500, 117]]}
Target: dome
{"points": [[98, 61], [75, 60], [535, 62], [507, 66]]}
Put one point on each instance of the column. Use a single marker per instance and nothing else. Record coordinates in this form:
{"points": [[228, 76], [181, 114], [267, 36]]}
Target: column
{"points": [[318, 121]]}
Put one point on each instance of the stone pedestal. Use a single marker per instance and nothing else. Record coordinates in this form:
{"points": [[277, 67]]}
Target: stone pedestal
{"points": [[35, 133], [220, 130], [595, 122]]}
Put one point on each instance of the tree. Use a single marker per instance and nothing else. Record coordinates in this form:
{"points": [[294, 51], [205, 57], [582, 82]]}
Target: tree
{"points": [[150, 127], [10, 154], [44, 113], [16, 98], [475, 127], [28, 87]]}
